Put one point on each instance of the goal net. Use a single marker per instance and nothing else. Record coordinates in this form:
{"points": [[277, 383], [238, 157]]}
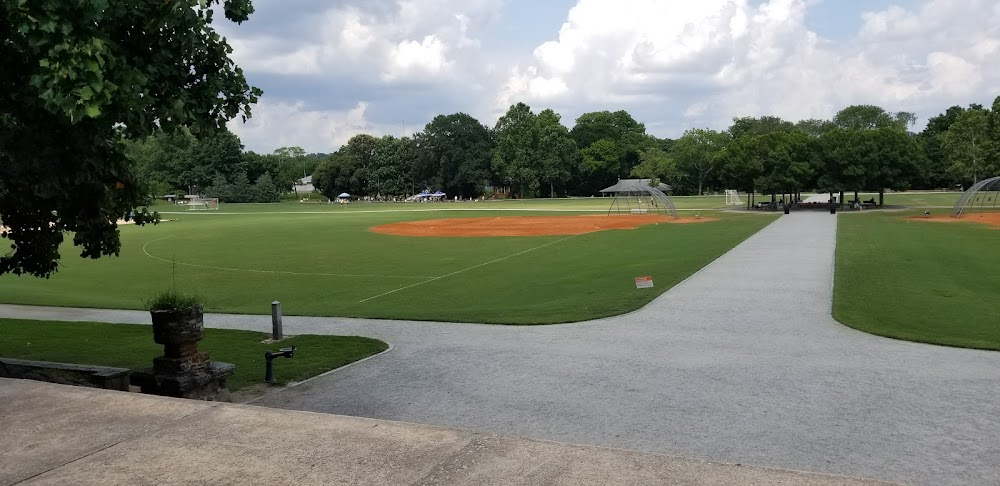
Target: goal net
{"points": [[203, 204], [733, 198]]}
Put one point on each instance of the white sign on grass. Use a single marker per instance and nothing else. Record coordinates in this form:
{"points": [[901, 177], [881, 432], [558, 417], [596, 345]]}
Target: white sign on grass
{"points": [[644, 282]]}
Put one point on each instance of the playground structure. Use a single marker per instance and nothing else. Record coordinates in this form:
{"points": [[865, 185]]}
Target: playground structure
{"points": [[982, 195], [640, 198], [733, 198]]}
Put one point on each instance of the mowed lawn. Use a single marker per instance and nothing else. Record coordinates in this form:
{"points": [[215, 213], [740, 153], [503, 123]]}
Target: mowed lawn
{"points": [[132, 346], [329, 264], [920, 281]]}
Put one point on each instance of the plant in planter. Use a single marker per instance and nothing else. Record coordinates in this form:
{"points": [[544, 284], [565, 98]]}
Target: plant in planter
{"points": [[182, 371], [178, 322]]}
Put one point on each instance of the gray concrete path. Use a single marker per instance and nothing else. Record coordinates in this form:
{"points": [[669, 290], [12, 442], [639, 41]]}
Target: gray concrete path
{"points": [[59, 435], [741, 363]]}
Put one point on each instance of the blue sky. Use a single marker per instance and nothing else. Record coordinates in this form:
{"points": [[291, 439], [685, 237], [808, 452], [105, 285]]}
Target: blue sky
{"points": [[333, 69]]}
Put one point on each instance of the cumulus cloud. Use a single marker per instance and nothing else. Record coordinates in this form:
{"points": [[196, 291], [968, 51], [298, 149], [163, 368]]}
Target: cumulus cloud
{"points": [[387, 41], [672, 64], [701, 63], [284, 124]]}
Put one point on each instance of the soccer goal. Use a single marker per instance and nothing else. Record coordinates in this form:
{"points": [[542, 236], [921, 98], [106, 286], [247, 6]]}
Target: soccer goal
{"points": [[203, 204], [733, 198]]}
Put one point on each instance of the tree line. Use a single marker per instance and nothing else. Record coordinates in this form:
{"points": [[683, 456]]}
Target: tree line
{"points": [[216, 165], [527, 154]]}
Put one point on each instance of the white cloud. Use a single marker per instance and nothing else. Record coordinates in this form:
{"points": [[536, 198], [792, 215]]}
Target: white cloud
{"points": [[412, 59], [674, 64], [705, 62], [282, 124], [400, 41]]}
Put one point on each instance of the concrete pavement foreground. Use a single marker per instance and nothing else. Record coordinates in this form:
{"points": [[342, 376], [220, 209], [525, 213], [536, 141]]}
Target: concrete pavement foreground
{"points": [[741, 363], [53, 434]]}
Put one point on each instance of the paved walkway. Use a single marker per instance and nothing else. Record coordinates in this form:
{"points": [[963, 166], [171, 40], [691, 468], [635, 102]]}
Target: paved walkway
{"points": [[741, 363], [70, 435]]}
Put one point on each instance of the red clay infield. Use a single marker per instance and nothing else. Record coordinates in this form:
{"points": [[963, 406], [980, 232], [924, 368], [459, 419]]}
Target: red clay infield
{"points": [[527, 225], [992, 219]]}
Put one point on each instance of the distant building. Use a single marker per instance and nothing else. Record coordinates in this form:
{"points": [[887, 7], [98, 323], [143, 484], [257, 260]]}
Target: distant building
{"points": [[304, 185]]}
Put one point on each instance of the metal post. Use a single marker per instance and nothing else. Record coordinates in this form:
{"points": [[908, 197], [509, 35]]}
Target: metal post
{"points": [[276, 331]]}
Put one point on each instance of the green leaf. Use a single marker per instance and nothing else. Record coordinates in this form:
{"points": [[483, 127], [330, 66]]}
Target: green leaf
{"points": [[93, 111]]}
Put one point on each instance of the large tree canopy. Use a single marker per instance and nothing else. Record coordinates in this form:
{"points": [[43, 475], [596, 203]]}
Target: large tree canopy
{"points": [[453, 154], [869, 117], [78, 78], [516, 153]]}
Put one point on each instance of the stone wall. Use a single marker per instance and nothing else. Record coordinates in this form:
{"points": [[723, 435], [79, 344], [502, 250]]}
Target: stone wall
{"points": [[66, 374]]}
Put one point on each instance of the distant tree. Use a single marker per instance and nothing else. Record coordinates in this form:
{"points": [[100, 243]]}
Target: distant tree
{"points": [[602, 163], [750, 127], [785, 157], [741, 163], [894, 162], [453, 154], [936, 169], [216, 153], [696, 152], [242, 190], [264, 190], [870, 117], [220, 188], [393, 156], [363, 150], [291, 152], [336, 175], [627, 136], [844, 164], [967, 144], [814, 127], [516, 154], [557, 151], [993, 153], [654, 163]]}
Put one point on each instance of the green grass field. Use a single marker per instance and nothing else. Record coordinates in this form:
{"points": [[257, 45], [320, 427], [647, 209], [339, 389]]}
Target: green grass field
{"points": [[919, 281], [132, 346], [583, 204], [326, 262]]}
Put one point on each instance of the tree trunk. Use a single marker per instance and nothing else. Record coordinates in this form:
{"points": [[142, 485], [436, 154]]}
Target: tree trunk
{"points": [[840, 201], [855, 196], [552, 190], [881, 197]]}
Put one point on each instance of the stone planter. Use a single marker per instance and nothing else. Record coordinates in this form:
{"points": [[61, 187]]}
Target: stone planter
{"points": [[182, 371], [179, 325]]}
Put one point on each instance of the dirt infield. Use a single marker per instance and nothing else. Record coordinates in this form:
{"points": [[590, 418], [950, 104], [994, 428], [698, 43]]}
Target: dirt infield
{"points": [[526, 225], [992, 219]]}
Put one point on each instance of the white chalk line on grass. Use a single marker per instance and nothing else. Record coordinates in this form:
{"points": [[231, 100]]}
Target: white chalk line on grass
{"points": [[470, 268], [277, 272]]}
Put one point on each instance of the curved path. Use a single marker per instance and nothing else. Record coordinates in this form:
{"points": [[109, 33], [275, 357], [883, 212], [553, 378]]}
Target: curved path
{"points": [[740, 363]]}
